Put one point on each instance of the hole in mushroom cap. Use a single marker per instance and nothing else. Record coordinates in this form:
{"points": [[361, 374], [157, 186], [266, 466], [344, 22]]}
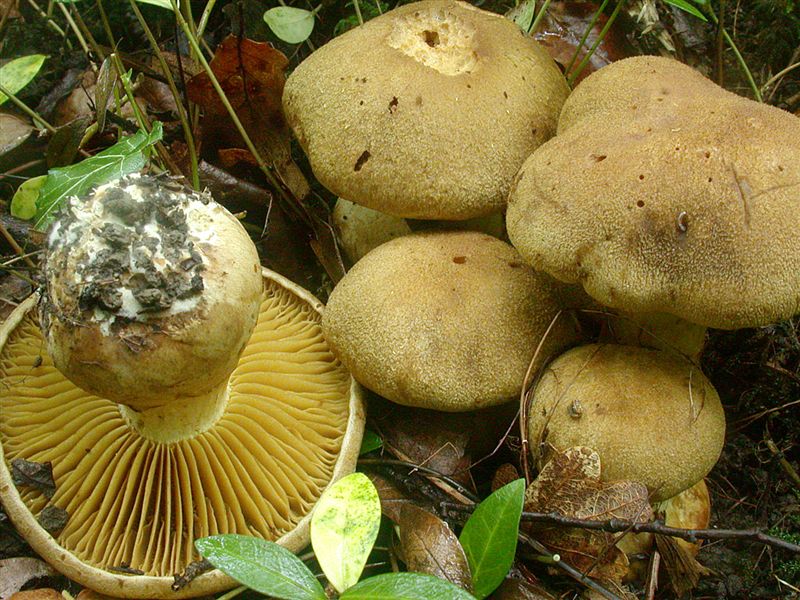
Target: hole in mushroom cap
{"points": [[361, 160], [641, 177], [599, 157], [459, 260], [640, 203], [393, 104], [431, 38], [438, 39]]}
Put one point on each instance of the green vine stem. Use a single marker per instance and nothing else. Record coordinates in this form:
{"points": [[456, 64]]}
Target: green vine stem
{"points": [[603, 32], [739, 58]]}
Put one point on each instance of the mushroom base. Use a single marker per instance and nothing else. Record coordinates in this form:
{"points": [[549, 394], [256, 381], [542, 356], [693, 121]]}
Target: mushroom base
{"points": [[181, 419]]}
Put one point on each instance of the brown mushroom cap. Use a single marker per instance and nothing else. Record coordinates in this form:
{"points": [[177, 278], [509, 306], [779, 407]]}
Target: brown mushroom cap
{"points": [[443, 320], [662, 192], [152, 292], [289, 424], [393, 114], [652, 416]]}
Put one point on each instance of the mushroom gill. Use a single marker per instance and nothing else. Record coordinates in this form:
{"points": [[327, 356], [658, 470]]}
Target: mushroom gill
{"points": [[136, 502]]}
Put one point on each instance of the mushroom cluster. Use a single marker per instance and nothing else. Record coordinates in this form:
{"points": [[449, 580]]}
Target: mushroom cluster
{"points": [[675, 205], [176, 389]]}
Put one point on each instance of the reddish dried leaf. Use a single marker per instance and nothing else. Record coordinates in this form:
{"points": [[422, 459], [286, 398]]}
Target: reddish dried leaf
{"points": [[505, 474], [252, 76], [563, 26], [15, 573], [430, 546], [570, 485]]}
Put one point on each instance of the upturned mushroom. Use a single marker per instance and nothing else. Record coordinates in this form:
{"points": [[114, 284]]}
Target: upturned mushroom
{"points": [[664, 193], [444, 320], [168, 453], [407, 97], [652, 416]]}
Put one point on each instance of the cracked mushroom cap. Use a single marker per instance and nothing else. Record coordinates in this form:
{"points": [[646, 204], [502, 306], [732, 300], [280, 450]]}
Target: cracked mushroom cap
{"points": [[287, 425], [662, 192], [652, 416], [443, 320], [393, 114], [152, 291]]}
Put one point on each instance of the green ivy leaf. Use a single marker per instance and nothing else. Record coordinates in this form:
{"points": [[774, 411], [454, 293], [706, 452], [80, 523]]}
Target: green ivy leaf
{"points": [[161, 3], [371, 441], [23, 204], [292, 25], [489, 537], [344, 526], [405, 586], [686, 6], [262, 566], [124, 157], [17, 73]]}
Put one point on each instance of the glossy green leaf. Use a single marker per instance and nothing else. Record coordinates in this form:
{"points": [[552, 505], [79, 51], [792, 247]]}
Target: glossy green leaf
{"points": [[262, 566], [344, 526], [161, 3], [17, 73], [124, 157], [689, 8], [522, 14], [371, 441], [23, 204], [292, 25], [489, 537], [405, 586]]}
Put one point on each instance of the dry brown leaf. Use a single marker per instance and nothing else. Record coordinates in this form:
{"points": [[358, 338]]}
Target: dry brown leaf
{"points": [[39, 594], [392, 497], [682, 570], [563, 26], [252, 77], [505, 473], [16, 572], [519, 589], [569, 485], [8, 9], [430, 546]]}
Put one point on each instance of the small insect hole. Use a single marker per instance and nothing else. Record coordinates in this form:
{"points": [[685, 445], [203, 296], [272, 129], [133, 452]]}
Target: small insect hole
{"points": [[599, 157], [361, 160], [431, 38], [707, 154], [641, 177], [640, 203], [459, 260], [514, 265], [393, 105], [505, 95]]}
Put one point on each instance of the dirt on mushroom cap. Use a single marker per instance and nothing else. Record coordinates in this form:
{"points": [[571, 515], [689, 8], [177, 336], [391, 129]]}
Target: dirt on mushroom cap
{"points": [[665, 193], [652, 416], [443, 320], [393, 114]]}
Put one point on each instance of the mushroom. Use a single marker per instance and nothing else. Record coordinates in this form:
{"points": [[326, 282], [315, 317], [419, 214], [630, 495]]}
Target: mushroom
{"points": [[443, 320], [407, 97], [361, 229], [664, 193], [656, 330], [140, 481], [652, 416]]}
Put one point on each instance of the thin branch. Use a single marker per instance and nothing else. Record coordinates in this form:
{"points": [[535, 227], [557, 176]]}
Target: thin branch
{"points": [[26, 109], [619, 525], [409, 465]]}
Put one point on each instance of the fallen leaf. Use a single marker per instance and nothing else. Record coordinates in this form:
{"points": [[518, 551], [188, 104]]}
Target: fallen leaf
{"points": [[16, 572], [19, 72], [63, 146], [34, 474], [569, 485], [519, 589], [53, 519], [430, 546], [564, 24], [13, 131], [505, 474], [9, 9], [393, 499], [682, 569], [252, 76]]}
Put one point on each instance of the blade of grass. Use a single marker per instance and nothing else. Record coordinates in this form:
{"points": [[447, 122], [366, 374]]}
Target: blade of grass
{"points": [[585, 35], [187, 130], [539, 16], [50, 22], [26, 109], [603, 32], [739, 58]]}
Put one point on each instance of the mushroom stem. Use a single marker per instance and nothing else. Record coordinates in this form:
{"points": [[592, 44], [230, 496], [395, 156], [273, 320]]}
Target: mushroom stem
{"points": [[180, 419]]}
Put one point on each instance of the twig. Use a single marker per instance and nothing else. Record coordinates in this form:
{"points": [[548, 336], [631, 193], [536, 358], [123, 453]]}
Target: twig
{"points": [[742, 63], [618, 525], [15, 246], [755, 417], [51, 23], [652, 576], [402, 463], [26, 109], [777, 453]]}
